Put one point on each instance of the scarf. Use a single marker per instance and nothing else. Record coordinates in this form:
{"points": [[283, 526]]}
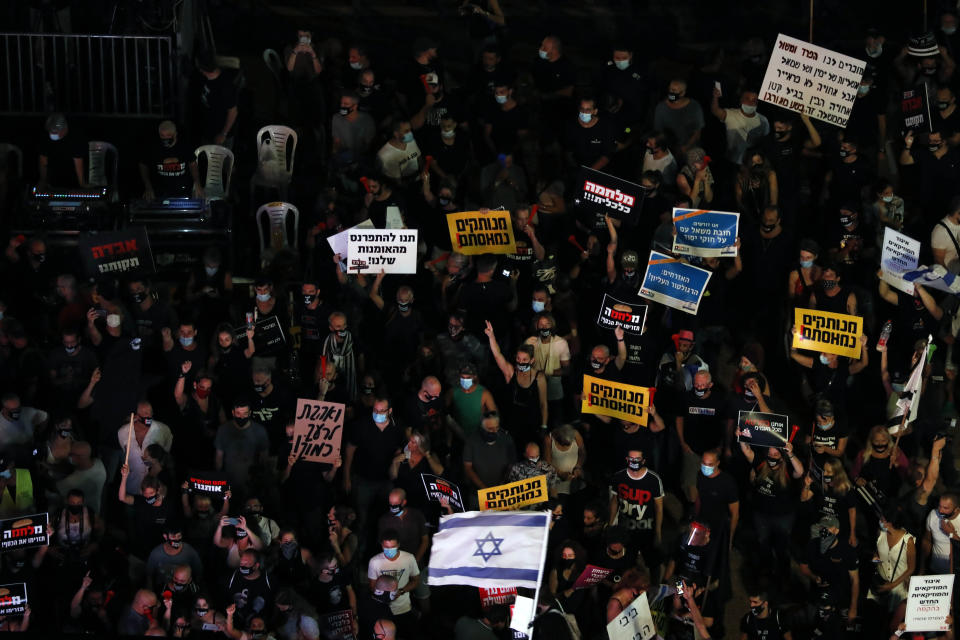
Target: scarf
{"points": [[341, 354]]}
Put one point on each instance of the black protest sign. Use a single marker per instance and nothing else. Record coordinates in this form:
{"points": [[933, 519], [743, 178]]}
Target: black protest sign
{"points": [[614, 313], [317, 431], [13, 599], [125, 252], [438, 488], [600, 193], [210, 482], [915, 107], [763, 429], [339, 625], [24, 532], [268, 337]]}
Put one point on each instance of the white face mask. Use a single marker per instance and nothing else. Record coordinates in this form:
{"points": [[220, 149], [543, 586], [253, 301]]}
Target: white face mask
{"points": [[55, 136], [621, 64], [748, 109]]}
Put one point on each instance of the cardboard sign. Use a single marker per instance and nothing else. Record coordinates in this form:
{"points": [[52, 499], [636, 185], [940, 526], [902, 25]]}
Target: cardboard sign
{"points": [[591, 575], [13, 599], [601, 193], [338, 625], [210, 482], [709, 234], [935, 277], [805, 78], [497, 595], [615, 399], [634, 622], [24, 532], [125, 252], [268, 336], [829, 332], [915, 107], [763, 429], [514, 495], [376, 250], [928, 603], [900, 254], [673, 283], [437, 488], [617, 313], [473, 233], [318, 430]]}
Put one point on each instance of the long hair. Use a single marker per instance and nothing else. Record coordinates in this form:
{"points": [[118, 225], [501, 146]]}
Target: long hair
{"points": [[780, 475], [841, 481], [869, 451]]}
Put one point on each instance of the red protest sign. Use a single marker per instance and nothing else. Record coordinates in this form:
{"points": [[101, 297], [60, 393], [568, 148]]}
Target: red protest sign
{"points": [[497, 595], [591, 575], [317, 431]]}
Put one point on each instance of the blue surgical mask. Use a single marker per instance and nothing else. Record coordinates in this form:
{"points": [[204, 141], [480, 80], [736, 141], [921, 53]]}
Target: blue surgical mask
{"points": [[621, 64], [824, 359], [379, 418], [501, 99], [211, 271], [863, 90], [806, 264], [186, 341], [407, 137], [538, 306], [543, 56], [391, 553], [55, 136], [586, 117], [707, 470], [949, 30], [263, 297], [875, 53], [445, 134], [466, 383], [748, 109], [825, 425], [887, 198], [6, 474]]}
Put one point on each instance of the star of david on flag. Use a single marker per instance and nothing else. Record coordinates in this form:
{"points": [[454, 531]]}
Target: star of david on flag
{"points": [[490, 549]]}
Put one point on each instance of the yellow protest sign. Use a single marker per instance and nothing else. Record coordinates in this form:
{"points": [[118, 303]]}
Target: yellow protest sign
{"points": [[513, 495], [473, 232], [829, 332], [615, 399]]}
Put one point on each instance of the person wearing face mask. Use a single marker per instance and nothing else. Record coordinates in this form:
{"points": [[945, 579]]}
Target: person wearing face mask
{"points": [[867, 122], [451, 150], [70, 367], [881, 466], [61, 157], [202, 411], [831, 295], [331, 589], [150, 317], [338, 348], [551, 357], [457, 347], [374, 610], [291, 566], [139, 615], [829, 372], [940, 532], [946, 118], [745, 127], [554, 76], [505, 122], [267, 529], [413, 537], [468, 402], [168, 168], [146, 431], [568, 564], [400, 158], [945, 238], [151, 512], [88, 475], [181, 584], [659, 157], [756, 186], [266, 304], [700, 427], [240, 443], [679, 116], [786, 149], [896, 562], [230, 363], [592, 140], [374, 99], [488, 72], [188, 347], [719, 501], [622, 78], [527, 387], [636, 505], [302, 62], [832, 566], [695, 180], [851, 242], [18, 423], [401, 564], [202, 613], [762, 622], [271, 404], [210, 286], [938, 166], [77, 533], [531, 465], [487, 456], [887, 209], [404, 326], [249, 589], [380, 196], [805, 274], [201, 518], [87, 611], [313, 313], [352, 132]]}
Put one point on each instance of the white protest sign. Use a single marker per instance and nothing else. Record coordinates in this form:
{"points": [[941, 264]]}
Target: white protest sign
{"points": [[521, 613], [338, 242], [808, 79], [928, 603], [387, 250], [394, 219], [900, 254], [634, 622]]}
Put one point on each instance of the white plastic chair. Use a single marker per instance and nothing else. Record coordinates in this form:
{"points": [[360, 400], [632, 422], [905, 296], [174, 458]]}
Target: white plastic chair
{"points": [[277, 216], [97, 172], [6, 150], [276, 150], [216, 182]]}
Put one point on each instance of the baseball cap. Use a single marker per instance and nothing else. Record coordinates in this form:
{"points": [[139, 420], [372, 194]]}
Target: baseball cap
{"points": [[824, 408], [684, 334]]}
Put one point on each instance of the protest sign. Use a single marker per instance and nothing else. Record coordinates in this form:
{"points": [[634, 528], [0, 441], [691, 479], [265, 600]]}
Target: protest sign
{"points": [[24, 532], [614, 313], [763, 429], [935, 277], [805, 78], [268, 336], [376, 250], [475, 232], [900, 254], [339, 241], [928, 602], [674, 283], [338, 625], [709, 234], [522, 613], [615, 399], [514, 495], [13, 599], [437, 488], [590, 576], [497, 595], [212, 482], [828, 332], [603, 194], [317, 431], [915, 107], [634, 622], [124, 252]]}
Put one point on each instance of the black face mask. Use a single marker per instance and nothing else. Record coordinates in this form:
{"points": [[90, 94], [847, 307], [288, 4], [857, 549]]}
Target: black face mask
{"points": [[245, 571], [488, 436], [15, 414], [308, 299], [241, 422], [139, 296], [178, 587], [596, 364], [758, 610], [344, 111], [780, 135], [75, 509], [880, 448], [768, 227], [635, 464], [773, 462], [546, 333], [259, 388], [168, 142], [523, 368], [150, 500]]}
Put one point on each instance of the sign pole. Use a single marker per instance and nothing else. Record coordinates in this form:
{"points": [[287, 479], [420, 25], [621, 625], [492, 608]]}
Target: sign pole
{"points": [[810, 38], [543, 563], [126, 460]]}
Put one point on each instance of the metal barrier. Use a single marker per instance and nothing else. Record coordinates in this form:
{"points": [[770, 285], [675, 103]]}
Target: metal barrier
{"points": [[128, 76]]}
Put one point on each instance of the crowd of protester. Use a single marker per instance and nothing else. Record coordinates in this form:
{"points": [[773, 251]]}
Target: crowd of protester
{"points": [[116, 391]]}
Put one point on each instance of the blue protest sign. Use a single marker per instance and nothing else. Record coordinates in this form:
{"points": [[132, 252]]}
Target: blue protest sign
{"points": [[673, 283], [709, 234]]}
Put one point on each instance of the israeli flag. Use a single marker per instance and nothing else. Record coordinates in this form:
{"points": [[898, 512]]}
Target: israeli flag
{"points": [[490, 549]]}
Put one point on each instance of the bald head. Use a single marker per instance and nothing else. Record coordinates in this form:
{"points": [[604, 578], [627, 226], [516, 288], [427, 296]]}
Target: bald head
{"points": [[532, 451], [385, 583], [385, 629], [430, 388]]}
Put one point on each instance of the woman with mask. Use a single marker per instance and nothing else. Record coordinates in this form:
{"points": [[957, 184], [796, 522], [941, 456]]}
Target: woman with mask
{"points": [[804, 276], [210, 288], [569, 563], [230, 363], [293, 562], [343, 541], [833, 496], [895, 561], [756, 185], [872, 467], [828, 374], [331, 588], [415, 459], [914, 499], [565, 450], [204, 617], [886, 210], [551, 358], [695, 179], [831, 295], [159, 464], [201, 413]]}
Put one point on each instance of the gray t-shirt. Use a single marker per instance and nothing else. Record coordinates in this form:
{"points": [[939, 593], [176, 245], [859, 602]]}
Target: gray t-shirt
{"points": [[490, 461], [679, 123], [355, 137], [160, 564], [240, 447]]}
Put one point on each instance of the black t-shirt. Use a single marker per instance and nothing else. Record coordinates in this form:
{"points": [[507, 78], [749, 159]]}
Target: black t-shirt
{"points": [[217, 97], [696, 561], [640, 440], [630, 86], [768, 494], [553, 76], [505, 125], [829, 504], [333, 595], [833, 568], [849, 179], [315, 326], [272, 411], [378, 209], [149, 521], [589, 144], [150, 322], [60, 155], [831, 382], [716, 494], [642, 358], [768, 628], [375, 448], [252, 597], [703, 421], [635, 500], [786, 157], [169, 168], [829, 438], [451, 158], [485, 301]]}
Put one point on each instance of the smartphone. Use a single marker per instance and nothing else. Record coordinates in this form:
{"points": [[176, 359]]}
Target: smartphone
{"points": [[210, 627], [679, 585], [233, 521], [506, 273], [716, 85]]}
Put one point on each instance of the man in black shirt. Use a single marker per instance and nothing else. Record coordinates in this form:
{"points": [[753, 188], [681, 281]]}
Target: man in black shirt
{"points": [[314, 320], [621, 78], [169, 169], [833, 566], [763, 621], [218, 97], [636, 504], [271, 405], [700, 428], [488, 299], [554, 77], [62, 156], [249, 589], [719, 504], [591, 141]]}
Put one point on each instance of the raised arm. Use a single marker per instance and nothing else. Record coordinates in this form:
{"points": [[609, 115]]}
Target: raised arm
{"points": [[505, 367]]}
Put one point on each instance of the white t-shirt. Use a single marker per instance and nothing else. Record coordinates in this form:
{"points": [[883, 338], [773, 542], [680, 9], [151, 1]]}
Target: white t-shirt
{"points": [[403, 567], [940, 239], [399, 163], [667, 165], [158, 433], [940, 558]]}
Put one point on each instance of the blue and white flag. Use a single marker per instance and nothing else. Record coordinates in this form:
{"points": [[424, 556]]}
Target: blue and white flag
{"points": [[490, 549]]}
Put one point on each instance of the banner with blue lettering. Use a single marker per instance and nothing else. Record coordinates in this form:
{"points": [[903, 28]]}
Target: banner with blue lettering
{"points": [[709, 234], [674, 283]]}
